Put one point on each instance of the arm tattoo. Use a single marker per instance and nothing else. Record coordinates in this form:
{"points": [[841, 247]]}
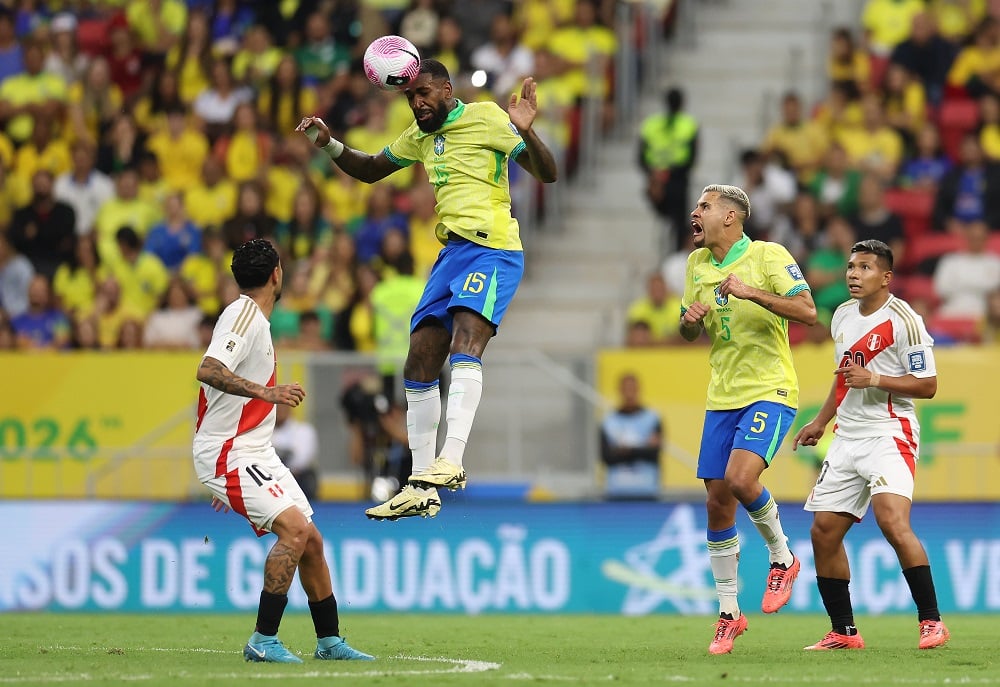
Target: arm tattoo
{"points": [[279, 568], [218, 376]]}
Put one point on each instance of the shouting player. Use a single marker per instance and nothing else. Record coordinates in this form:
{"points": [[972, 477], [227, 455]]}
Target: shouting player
{"points": [[464, 148], [884, 361], [742, 293]]}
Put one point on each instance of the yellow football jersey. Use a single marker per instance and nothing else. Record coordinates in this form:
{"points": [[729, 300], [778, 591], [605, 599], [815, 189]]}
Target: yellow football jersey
{"points": [[466, 161], [750, 357]]}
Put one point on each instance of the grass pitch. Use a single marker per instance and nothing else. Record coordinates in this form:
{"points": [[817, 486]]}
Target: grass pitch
{"points": [[189, 650]]}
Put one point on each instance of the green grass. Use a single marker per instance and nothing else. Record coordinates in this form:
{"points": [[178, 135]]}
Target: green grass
{"points": [[188, 650]]}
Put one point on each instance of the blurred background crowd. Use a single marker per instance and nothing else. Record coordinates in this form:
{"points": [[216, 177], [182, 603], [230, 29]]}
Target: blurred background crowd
{"points": [[141, 141], [904, 147]]}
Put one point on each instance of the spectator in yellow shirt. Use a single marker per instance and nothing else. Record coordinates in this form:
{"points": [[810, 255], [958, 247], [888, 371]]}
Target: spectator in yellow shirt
{"points": [[126, 209], [158, 24], [93, 102], [247, 150], [285, 98], [847, 62], [874, 146], [203, 272], [888, 22], [213, 201], [538, 19], [659, 308], [374, 134], [332, 277], [150, 110], [181, 150], [802, 142], [299, 237], [191, 57], [587, 46], [424, 243], [110, 314], [257, 59], [904, 102], [345, 198], [142, 275], [76, 281], [957, 19], [31, 95], [977, 66], [42, 151]]}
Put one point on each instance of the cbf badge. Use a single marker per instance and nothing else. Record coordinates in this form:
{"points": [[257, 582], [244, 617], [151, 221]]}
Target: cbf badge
{"points": [[719, 298], [439, 144]]}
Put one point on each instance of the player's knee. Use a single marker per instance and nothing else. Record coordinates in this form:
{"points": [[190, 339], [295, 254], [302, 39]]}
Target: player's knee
{"points": [[314, 544], [741, 486]]}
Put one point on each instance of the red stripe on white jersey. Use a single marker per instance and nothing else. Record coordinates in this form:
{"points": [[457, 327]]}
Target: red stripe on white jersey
{"points": [[234, 492], [202, 407], [862, 351], [254, 412]]}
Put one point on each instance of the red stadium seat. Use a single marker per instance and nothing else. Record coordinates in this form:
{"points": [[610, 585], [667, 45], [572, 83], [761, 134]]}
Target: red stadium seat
{"points": [[961, 329], [930, 246], [955, 119], [916, 288], [915, 206], [878, 67], [993, 242]]}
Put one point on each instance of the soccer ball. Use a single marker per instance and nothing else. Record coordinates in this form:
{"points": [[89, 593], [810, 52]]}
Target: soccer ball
{"points": [[391, 62]]}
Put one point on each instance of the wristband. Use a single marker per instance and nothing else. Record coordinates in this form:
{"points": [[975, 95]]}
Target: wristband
{"points": [[334, 148], [876, 378]]}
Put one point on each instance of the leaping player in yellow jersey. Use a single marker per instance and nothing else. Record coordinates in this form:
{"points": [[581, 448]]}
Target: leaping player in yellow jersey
{"points": [[752, 289], [465, 148]]}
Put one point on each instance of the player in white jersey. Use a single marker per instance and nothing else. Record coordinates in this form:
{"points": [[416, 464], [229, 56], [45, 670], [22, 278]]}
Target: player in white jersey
{"points": [[884, 360], [234, 458]]}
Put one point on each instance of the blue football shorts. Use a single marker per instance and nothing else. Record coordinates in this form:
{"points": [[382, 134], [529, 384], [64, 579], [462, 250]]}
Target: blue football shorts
{"points": [[467, 275], [758, 428]]}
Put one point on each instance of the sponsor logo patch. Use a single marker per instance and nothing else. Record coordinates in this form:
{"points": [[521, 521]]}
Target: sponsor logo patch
{"points": [[794, 272], [917, 362]]}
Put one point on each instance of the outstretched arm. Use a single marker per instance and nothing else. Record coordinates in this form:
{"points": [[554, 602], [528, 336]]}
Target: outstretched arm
{"points": [[797, 308], [361, 166], [537, 158]]}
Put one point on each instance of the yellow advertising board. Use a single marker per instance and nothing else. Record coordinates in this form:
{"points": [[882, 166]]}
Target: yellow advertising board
{"points": [[960, 433], [99, 425]]}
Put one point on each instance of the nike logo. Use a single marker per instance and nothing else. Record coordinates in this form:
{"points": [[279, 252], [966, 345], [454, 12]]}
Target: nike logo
{"points": [[259, 653], [750, 438], [466, 295], [697, 279], [394, 506]]}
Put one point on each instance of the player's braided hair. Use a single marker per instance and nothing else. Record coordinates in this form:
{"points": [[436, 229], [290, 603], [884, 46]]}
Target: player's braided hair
{"points": [[734, 194], [253, 263], [879, 249]]}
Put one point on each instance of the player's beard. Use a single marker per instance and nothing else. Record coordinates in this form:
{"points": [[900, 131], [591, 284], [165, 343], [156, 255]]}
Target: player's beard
{"points": [[429, 126]]}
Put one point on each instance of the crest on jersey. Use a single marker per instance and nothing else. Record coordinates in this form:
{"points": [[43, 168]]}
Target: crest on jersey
{"points": [[917, 362], [231, 345], [439, 144], [794, 272], [874, 342], [719, 298]]}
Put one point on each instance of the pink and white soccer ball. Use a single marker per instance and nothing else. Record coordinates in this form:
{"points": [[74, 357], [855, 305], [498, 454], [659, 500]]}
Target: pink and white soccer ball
{"points": [[391, 62]]}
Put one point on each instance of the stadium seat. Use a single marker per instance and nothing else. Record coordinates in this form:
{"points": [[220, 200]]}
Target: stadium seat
{"points": [[960, 329], [993, 242], [878, 66], [916, 288], [923, 250], [915, 206], [955, 119]]}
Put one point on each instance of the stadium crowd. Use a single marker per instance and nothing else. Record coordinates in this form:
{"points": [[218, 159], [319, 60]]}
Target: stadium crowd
{"points": [[904, 147], [141, 141]]}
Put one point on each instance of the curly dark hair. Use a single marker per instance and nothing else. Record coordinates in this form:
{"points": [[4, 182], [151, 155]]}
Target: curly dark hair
{"points": [[253, 263]]}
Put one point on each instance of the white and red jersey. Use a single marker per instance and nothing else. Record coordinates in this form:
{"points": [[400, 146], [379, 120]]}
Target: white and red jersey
{"points": [[892, 341], [231, 427]]}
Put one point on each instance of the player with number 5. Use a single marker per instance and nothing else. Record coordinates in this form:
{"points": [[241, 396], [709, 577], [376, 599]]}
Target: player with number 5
{"points": [[742, 294], [884, 361], [465, 148]]}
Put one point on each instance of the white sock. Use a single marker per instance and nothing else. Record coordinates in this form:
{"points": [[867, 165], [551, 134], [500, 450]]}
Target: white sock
{"points": [[765, 519], [464, 393], [423, 414], [725, 557]]}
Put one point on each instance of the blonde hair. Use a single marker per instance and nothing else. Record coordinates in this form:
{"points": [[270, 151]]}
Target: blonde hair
{"points": [[732, 193]]}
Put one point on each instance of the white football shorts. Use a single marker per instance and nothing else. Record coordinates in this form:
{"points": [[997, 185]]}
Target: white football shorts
{"points": [[856, 469], [260, 488]]}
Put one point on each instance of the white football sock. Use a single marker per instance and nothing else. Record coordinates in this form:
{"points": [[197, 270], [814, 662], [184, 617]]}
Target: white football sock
{"points": [[767, 523], [725, 557], [423, 414], [464, 394]]}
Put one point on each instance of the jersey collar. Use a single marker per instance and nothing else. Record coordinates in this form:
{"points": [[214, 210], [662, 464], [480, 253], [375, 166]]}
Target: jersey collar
{"points": [[452, 116], [735, 253]]}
